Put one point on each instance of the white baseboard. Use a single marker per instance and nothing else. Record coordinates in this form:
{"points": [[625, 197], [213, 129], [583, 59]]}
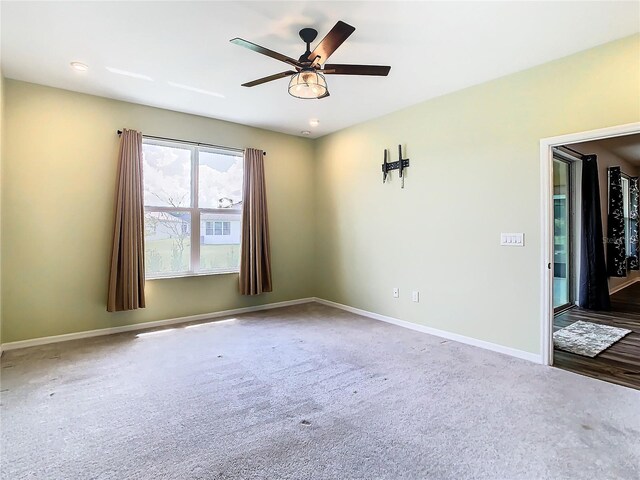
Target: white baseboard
{"points": [[532, 357], [237, 311], [147, 325], [623, 286]]}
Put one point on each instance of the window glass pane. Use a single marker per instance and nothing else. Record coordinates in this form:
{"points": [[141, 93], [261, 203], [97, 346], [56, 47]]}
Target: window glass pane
{"points": [[167, 175], [167, 237], [561, 234], [220, 251], [169, 170], [220, 180]]}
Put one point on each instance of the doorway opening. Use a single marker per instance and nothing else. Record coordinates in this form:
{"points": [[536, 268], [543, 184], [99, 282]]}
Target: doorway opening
{"points": [[611, 160]]}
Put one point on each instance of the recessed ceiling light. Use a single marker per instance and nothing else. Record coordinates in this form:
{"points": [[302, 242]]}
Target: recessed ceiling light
{"points": [[79, 66], [314, 122], [305, 132], [129, 74]]}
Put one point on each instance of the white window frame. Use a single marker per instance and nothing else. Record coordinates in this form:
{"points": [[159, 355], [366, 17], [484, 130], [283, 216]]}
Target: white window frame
{"points": [[194, 210]]}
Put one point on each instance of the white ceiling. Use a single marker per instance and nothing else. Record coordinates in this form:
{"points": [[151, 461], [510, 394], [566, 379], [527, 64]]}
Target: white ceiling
{"points": [[433, 48], [626, 147]]}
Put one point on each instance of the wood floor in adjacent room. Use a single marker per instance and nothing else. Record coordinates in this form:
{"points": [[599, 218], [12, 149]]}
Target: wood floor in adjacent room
{"points": [[620, 363]]}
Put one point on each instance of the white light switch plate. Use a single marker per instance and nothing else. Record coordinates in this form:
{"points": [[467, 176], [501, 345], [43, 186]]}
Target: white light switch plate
{"points": [[512, 239], [396, 293], [415, 296]]}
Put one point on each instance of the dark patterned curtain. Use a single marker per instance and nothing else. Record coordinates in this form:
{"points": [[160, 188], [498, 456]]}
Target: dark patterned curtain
{"points": [[616, 248], [594, 288], [634, 217]]}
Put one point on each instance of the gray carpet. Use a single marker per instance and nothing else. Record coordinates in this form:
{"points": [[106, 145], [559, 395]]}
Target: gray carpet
{"points": [[306, 392]]}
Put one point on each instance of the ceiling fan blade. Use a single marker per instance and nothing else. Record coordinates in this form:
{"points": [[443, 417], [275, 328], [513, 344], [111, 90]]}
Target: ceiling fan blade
{"points": [[329, 44], [269, 78], [265, 51], [339, 69]]}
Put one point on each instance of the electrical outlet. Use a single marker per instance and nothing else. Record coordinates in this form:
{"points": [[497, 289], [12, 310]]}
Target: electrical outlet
{"points": [[396, 293], [415, 296]]}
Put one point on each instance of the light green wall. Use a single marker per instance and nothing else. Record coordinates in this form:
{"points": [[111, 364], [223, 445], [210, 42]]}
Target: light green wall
{"points": [[337, 232], [57, 212], [475, 172], [1, 180]]}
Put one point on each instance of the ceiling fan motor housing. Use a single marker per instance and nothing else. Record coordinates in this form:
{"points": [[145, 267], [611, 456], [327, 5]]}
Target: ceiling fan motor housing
{"points": [[307, 35]]}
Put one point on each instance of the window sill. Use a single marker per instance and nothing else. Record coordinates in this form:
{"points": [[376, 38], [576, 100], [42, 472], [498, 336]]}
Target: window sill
{"points": [[188, 275]]}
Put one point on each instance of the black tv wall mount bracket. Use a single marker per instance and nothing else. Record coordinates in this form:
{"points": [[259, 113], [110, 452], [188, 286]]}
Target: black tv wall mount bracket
{"points": [[400, 165]]}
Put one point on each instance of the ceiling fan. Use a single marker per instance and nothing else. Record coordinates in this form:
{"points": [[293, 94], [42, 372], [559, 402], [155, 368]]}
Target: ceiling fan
{"points": [[307, 80]]}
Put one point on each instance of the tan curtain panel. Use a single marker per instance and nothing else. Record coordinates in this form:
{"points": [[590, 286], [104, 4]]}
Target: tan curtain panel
{"points": [[255, 255], [126, 280]]}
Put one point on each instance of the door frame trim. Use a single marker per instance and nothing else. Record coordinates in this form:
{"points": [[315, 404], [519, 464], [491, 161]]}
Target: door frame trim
{"points": [[546, 218]]}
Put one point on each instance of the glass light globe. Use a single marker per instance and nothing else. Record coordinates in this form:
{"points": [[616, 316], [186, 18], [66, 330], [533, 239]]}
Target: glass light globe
{"points": [[308, 84]]}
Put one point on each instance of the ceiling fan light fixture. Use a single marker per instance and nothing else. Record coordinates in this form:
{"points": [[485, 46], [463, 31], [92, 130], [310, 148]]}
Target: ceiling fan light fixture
{"points": [[308, 83]]}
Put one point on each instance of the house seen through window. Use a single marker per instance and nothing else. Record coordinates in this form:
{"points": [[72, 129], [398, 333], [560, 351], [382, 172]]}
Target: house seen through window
{"points": [[193, 208]]}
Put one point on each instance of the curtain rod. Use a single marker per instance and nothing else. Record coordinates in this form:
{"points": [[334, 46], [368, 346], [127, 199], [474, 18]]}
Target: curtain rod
{"points": [[191, 143]]}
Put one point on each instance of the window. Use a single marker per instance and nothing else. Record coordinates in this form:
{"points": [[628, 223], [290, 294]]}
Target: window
{"points": [[562, 233], [190, 193], [222, 228]]}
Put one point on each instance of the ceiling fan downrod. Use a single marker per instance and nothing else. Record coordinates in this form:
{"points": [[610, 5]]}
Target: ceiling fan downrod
{"points": [[307, 35]]}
